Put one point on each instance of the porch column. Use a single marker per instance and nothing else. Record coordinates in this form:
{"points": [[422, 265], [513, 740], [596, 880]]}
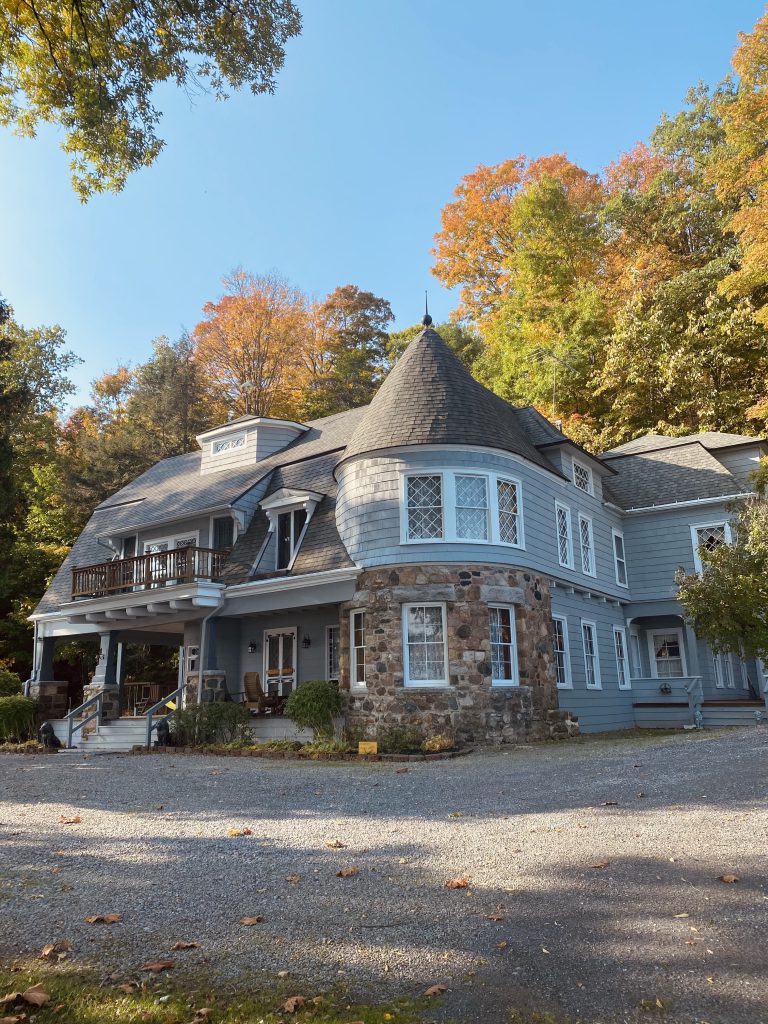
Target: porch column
{"points": [[692, 651], [52, 696], [105, 677], [214, 679]]}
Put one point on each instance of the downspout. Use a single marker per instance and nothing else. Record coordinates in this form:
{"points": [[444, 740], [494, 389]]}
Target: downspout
{"points": [[203, 630], [35, 661]]}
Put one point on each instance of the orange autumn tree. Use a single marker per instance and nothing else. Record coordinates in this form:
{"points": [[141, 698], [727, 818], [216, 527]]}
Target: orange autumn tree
{"points": [[250, 345]]}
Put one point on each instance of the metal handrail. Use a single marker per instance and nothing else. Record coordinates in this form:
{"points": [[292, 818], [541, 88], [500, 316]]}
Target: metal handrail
{"points": [[151, 726], [73, 726]]}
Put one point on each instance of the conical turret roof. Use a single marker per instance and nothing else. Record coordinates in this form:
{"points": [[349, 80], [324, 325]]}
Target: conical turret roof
{"points": [[431, 398]]}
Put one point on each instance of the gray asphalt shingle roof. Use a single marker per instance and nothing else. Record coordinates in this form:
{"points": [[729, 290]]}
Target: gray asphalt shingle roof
{"points": [[710, 439], [682, 473]]}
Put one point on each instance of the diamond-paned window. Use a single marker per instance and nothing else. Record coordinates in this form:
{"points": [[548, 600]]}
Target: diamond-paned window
{"points": [[564, 543], [585, 541], [228, 444], [425, 508], [509, 512], [471, 508], [710, 537], [582, 477]]}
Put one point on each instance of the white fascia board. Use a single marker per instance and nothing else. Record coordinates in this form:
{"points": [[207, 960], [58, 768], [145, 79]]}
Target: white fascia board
{"points": [[279, 583], [689, 504], [249, 424], [285, 498], [202, 592]]}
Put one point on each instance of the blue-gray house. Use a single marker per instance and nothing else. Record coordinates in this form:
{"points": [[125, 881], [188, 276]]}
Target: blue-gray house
{"points": [[452, 560]]}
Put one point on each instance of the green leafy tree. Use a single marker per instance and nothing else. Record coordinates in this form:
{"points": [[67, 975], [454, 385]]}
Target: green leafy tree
{"points": [[92, 68]]}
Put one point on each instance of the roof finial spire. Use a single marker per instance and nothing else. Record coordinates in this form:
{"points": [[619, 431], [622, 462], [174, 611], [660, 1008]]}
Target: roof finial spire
{"points": [[427, 321]]}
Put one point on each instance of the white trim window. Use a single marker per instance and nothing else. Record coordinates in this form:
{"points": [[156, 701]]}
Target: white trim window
{"points": [[724, 671], [561, 653], [424, 506], [591, 655], [564, 535], [509, 505], [504, 667], [635, 660], [622, 667], [290, 530], [587, 545], [357, 651], [425, 646], [471, 507], [582, 477], [620, 558], [332, 634], [708, 536], [228, 444], [667, 656]]}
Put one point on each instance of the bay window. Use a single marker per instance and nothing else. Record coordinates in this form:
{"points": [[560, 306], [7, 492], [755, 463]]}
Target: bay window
{"points": [[424, 499], [471, 507], [452, 507]]}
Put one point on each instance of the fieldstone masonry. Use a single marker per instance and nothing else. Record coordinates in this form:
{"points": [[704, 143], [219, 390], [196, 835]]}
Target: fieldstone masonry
{"points": [[469, 707]]}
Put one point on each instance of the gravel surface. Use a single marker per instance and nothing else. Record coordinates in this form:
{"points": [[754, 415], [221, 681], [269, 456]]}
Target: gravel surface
{"points": [[593, 873]]}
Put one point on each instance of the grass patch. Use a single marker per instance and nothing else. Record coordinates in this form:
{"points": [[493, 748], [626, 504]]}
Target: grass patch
{"points": [[84, 998]]}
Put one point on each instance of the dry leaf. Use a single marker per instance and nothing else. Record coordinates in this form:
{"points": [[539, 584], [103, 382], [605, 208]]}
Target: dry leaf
{"points": [[602, 864], [435, 990], [155, 966], [64, 820], [457, 883], [13, 1020], [494, 917], [502, 945], [401, 771], [35, 996], [456, 814], [292, 1004], [128, 988], [103, 919], [336, 844], [347, 872], [185, 945], [203, 1013], [248, 921], [55, 950], [610, 803], [236, 832], [292, 878], [728, 878], [543, 950]]}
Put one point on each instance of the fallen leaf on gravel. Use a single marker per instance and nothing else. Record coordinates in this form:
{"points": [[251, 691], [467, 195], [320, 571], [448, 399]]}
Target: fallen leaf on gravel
{"points": [[502, 945], [494, 917], [248, 921], [103, 919], [728, 878], [435, 990], [292, 878], [681, 915], [601, 864], [457, 883], [35, 996], [610, 803], [155, 966], [185, 945], [401, 771], [292, 1004], [237, 832], [55, 950], [456, 814], [347, 872], [283, 974], [543, 950], [336, 844], [64, 820]]}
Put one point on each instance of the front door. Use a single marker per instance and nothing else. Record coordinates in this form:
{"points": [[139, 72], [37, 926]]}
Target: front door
{"points": [[280, 661]]}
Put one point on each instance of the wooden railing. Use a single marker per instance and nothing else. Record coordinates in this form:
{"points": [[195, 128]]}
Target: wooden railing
{"points": [[147, 572]]}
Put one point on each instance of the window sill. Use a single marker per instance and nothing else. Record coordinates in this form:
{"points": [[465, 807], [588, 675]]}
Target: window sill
{"points": [[429, 687], [504, 685]]}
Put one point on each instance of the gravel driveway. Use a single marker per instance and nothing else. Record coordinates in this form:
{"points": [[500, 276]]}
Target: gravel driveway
{"points": [[593, 873]]}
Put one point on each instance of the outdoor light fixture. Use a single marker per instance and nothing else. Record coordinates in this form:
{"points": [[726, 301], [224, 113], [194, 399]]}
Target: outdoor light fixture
{"points": [[306, 642], [253, 647]]}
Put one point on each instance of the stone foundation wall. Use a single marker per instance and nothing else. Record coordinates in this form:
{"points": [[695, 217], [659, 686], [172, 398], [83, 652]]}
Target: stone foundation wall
{"points": [[469, 707], [52, 698]]}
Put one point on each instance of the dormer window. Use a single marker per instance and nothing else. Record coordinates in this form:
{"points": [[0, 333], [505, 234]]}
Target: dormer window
{"points": [[289, 512], [228, 444], [582, 477], [289, 529]]}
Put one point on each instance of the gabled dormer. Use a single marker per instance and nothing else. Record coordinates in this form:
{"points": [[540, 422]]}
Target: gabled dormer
{"points": [[289, 511], [244, 442]]}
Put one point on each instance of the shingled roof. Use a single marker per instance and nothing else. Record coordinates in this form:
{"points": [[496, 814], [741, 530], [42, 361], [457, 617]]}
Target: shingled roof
{"points": [[683, 472], [712, 440], [431, 398]]}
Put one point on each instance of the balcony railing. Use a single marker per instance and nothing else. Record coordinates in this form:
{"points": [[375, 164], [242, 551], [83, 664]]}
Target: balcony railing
{"points": [[148, 572]]}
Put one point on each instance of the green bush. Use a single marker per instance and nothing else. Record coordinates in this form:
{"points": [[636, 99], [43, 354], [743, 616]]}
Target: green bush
{"points": [[314, 706], [322, 748], [288, 745], [205, 724], [10, 682], [400, 739], [17, 718], [438, 744]]}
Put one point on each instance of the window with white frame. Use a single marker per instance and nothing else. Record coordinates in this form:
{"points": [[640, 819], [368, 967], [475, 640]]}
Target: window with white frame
{"points": [[620, 647], [471, 507], [591, 657], [635, 660], [508, 497], [582, 477], [425, 648], [620, 558], [504, 668], [561, 652], [332, 652], [424, 504], [228, 444], [564, 537], [666, 653], [724, 671], [357, 651], [290, 527], [586, 545], [708, 537]]}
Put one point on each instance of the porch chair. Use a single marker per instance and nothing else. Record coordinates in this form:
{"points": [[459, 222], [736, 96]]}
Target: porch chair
{"points": [[256, 700]]}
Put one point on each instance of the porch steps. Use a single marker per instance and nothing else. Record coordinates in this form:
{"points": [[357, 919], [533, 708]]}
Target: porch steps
{"points": [[117, 737], [717, 714]]}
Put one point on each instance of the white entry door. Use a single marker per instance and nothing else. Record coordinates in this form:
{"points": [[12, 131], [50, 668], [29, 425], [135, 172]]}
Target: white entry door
{"points": [[279, 661]]}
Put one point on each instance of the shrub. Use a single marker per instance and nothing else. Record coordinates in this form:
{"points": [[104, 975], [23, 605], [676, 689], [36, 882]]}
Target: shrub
{"points": [[205, 724], [400, 739], [281, 745], [314, 706], [17, 718], [438, 744], [322, 748], [10, 682]]}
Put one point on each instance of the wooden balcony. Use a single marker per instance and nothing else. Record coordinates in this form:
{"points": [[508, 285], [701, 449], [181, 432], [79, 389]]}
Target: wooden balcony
{"points": [[148, 572]]}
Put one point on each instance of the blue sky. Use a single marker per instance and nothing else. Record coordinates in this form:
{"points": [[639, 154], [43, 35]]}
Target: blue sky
{"points": [[341, 175]]}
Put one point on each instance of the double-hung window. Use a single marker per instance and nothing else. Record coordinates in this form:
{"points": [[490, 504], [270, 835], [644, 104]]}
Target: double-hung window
{"points": [[289, 529], [564, 537], [424, 507], [620, 558], [357, 650], [425, 645], [471, 507], [561, 652], [708, 537], [510, 525], [666, 653], [724, 671], [622, 667], [504, 669], [591, 657], [332, 652], [586, 545]]}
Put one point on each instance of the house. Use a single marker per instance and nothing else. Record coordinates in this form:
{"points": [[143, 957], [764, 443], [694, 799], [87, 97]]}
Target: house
{"points": [[452, 560]]}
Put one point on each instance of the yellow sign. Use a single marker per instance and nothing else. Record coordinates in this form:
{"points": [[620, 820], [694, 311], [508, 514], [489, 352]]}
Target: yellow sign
{"points": [[367, 747]]}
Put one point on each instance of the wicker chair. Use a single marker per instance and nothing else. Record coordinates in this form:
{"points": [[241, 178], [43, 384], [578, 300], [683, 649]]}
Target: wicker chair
{"points": [[256, 700]]}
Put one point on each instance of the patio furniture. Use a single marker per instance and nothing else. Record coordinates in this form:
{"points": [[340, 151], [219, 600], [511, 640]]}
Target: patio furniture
{"points": [[256, 700]]}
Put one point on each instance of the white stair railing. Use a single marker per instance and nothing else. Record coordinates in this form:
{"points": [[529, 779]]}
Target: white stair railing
{"points": [[74, 726], [694, 691], [151, 726]]}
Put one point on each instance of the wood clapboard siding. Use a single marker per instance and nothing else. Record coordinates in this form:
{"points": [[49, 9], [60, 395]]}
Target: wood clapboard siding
{"points": [[260, 443]]}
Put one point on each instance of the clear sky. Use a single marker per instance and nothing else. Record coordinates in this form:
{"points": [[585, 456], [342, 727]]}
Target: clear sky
{"points": [[341, 175]]}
